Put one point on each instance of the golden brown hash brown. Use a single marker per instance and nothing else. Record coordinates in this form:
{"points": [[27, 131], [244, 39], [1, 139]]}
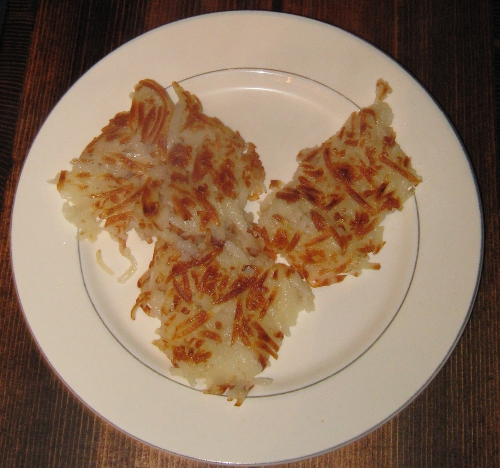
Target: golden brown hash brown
{"points": [[327, 220], [181, 179]]}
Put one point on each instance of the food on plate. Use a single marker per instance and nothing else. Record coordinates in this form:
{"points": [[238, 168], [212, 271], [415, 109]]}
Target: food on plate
{"points": [[327, 221], [224, 311], [181, 179]]}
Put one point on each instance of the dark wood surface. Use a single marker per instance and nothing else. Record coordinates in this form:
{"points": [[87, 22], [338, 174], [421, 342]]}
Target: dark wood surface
{"points": [[448, 45]]}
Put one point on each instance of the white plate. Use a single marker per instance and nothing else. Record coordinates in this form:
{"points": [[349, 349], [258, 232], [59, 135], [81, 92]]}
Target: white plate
{"points": [[373, 343]]}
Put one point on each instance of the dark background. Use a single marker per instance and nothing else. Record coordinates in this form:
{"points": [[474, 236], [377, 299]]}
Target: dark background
{"points": [[452, 47]]}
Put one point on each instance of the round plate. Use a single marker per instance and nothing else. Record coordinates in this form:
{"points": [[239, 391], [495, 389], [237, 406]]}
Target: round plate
{"points": [[373, 343]]}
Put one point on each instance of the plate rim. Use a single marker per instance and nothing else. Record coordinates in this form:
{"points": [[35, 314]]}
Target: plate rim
{"points": [[451, 348]]}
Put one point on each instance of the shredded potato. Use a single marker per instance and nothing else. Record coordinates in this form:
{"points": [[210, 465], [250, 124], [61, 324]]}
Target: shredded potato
{"points": [[326, 221], [181, 180]]}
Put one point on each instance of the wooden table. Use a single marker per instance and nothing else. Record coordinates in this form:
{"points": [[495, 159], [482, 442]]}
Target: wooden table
{"points": [[449, 46]]}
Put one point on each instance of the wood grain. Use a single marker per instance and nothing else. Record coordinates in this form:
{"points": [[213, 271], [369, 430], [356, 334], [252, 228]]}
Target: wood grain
{"points": [[448, 46]]}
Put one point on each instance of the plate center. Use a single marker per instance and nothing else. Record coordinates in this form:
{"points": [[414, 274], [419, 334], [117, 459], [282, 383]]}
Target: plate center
{"points": [[281, 114]]}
